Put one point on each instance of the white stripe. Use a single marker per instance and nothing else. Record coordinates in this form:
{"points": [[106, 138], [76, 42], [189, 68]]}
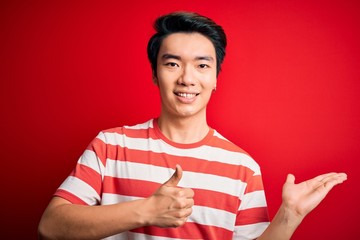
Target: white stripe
{"points": [[203, 152], [213, 217], [217, 134], [251, 231], [137, 171], [250, 162], [141, 236], [213, 183], [145, 172], [201, 215], [253, 200], [146, 125], [83, 190], [110, 198], [90, 159], [120, 236]]}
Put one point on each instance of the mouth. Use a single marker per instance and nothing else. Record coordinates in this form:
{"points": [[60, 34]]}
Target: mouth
{"points": [[186, 95]]}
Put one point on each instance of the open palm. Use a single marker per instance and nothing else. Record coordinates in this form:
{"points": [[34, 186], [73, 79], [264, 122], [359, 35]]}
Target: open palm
{"points": [[302, 198]]}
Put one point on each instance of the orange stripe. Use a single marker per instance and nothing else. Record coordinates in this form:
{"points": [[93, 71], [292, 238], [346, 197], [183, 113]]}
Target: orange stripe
{"points": [[99, 148], [165, 160], [225, 144], [134, 133], [143, 189], [216, 200], [69, 196], [151, 133], [256, 184], [88, 175], [129, 187], [189, 230], [252, 215]]}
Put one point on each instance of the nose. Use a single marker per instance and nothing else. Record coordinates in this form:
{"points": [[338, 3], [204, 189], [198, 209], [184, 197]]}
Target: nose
{"points": [[187, 77]]}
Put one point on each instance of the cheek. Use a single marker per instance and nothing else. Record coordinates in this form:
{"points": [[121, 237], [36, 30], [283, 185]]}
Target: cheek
{"points": [[165, 88], [209, 82], [208, 87], [167, 77]]}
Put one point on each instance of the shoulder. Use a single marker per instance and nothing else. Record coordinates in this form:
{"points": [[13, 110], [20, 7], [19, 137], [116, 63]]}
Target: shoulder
{"points": [[137, 130], [233, 154], [140, 126], [222, 142]]}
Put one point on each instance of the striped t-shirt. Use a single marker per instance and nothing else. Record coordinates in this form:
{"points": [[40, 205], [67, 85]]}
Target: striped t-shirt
{"points": [[131, 162]]}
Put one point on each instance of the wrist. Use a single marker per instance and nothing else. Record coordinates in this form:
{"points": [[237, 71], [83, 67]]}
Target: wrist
{"points": [[289, 217], [146, 211], [137, 213], [283, 224]]}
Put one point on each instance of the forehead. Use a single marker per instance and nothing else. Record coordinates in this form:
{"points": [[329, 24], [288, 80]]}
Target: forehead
{"points": [[187, 44]]}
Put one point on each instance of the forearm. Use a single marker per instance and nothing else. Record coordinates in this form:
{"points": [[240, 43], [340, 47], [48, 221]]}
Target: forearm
{"points": [[70, 221], [169, 206], [282, 226]]}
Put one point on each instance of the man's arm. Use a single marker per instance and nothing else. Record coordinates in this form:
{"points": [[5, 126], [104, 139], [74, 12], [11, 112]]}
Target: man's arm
{"points": [[298, 200], [63, 220], [169, 206]]}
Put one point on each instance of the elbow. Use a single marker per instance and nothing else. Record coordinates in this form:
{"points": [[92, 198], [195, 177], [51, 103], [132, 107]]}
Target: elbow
{"points": [[44, 232]]}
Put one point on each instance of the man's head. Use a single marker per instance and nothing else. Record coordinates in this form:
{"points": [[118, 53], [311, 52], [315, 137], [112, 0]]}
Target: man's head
{"points": [[186, 22]]}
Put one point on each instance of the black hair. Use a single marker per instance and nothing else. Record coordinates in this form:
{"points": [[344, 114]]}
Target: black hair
{"points": [[187, 22]]}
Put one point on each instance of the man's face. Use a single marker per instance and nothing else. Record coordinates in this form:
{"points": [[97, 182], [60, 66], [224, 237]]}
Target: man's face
{"points": [[186, 74]]}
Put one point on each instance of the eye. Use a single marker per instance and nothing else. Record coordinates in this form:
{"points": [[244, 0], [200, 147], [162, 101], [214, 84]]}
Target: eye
{"points": [[171, 64], [204, 66]]}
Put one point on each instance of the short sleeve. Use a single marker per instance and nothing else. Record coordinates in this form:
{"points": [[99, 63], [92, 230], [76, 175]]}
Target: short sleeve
{"points": [[252, 218], [84, 184]]}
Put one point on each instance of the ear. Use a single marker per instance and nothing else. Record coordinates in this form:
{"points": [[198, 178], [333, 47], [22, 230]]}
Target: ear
{"points": [[154, 79], [214, 88]]}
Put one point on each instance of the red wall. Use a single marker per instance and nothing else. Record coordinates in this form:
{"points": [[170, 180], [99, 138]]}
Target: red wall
{"points": [[288, 94]]}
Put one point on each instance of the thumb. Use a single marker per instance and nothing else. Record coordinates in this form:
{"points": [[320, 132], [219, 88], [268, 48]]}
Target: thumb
{"points": [[290, 178], [175, 178]]}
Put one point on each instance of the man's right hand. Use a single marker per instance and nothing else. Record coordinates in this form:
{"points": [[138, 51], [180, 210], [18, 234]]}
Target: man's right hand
{"points": [[170, 205]]}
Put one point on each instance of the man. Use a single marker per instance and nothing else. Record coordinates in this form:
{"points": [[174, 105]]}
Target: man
{"points": [[123, 186]]}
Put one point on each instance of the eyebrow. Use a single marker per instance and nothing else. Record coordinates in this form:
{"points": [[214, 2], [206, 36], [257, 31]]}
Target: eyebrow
{"points": [[172, 56]]}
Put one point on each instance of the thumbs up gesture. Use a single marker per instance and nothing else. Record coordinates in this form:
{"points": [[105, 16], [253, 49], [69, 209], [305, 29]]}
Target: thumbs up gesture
{"points": [[170, 205]]}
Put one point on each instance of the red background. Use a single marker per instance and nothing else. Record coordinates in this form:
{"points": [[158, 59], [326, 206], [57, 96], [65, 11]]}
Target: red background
{"points": [[288, 94]]}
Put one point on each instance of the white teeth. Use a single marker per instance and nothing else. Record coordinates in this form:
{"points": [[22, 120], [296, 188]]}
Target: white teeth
{"points": [[187, 95]]}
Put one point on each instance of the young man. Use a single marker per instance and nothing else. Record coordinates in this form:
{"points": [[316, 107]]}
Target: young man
{"points": [[123, 186]]}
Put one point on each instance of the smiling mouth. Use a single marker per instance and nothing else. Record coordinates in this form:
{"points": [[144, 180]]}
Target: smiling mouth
{"points": [[186, 95]]}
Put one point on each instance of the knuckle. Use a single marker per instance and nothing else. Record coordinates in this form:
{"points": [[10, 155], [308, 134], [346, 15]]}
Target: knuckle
{"points": [[190, 211], [182, 204], [178, 223], [192, 193], [180, 193]]}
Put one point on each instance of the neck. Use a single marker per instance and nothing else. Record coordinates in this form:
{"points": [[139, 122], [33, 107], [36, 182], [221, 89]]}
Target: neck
{"points": [[183, 130]]}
